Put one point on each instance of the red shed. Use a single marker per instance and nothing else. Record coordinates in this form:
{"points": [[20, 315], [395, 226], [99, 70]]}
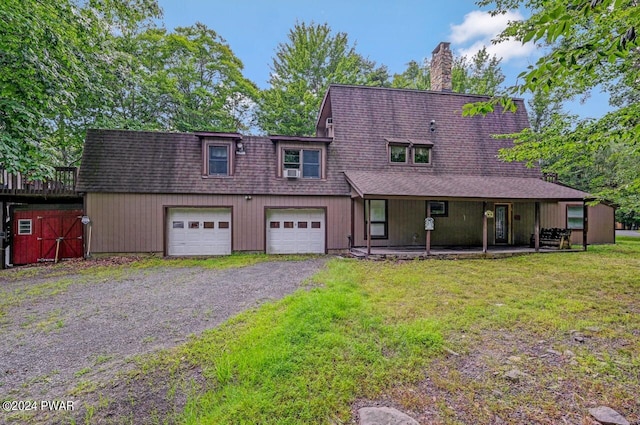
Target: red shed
{"points": [[39, 233]]}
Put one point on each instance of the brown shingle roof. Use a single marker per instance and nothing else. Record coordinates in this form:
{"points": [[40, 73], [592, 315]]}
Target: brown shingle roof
{"points": [[363, 117], [375, 183], [155, 162]]}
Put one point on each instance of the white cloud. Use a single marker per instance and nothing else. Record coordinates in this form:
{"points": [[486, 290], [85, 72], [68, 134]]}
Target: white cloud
{"points": [[479, 28]]}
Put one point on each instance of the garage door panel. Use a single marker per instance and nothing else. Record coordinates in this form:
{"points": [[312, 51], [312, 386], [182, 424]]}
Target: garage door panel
{"points": [[295, 231], [199, 231]]}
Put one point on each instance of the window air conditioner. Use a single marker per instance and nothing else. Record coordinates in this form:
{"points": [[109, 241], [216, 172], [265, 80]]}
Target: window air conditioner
{"points": [[292, 173], [329, 127]]}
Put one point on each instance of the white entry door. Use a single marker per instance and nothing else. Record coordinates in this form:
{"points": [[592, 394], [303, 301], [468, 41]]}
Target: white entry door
{"points": [[199, 231], [296, 231]]}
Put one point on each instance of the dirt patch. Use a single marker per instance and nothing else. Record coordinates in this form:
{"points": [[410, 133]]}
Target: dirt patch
{"points": [[507, 378], [67, 345]]}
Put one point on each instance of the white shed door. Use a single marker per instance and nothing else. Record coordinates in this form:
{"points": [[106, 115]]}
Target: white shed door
{"points": [[295, 231], [199, 231]]}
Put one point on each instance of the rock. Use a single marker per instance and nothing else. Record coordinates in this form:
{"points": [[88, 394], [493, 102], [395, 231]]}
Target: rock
{"points": [[569, 353], [552, 351], [607, 416], [515, 359], [384, 416], [514, 375], [594, 329]]}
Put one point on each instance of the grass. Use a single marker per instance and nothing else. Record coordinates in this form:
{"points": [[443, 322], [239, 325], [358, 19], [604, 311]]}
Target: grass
{"points": [[369, 330]]}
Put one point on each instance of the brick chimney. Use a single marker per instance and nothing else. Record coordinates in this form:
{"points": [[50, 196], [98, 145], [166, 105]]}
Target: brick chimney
{"points": [[441, 63]]}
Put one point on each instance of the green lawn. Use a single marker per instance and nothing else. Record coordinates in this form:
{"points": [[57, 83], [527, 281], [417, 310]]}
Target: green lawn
{"points": [[426, 336]]}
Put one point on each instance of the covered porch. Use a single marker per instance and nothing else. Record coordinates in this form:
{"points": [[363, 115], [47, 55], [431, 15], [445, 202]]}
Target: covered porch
{"points": [[414, 216], [449, 252]]}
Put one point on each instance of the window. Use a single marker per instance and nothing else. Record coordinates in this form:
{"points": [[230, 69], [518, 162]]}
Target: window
{"points": [[575, 217], [302, 225], [194, 225], [398, 154], [288, 224], [178, 224], [305, 160], [379, 223], [209, 225], [218, 160], [421, 155], [223, 225], [24, 227], [439, 208], [274, 224]]}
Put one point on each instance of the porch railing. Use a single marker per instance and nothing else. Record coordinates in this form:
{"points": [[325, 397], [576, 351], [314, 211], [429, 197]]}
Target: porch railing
{"points": [[62, 183]]}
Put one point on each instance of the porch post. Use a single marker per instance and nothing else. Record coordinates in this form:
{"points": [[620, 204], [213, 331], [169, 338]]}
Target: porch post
{"points": [[585, 224], [485, 239], [369, 227], [428, 247], [536, 234]]}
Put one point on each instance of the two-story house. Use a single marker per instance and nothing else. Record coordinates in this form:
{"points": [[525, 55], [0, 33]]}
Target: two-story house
{"points": [[383, 160]]}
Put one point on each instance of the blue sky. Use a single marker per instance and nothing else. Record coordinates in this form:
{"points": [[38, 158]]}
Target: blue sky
{"points": [[390, 33]]}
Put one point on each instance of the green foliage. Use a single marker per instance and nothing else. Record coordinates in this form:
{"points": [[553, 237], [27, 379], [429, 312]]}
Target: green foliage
{"points": [[302, 70], [479, 75], [592, 45], [73, 64]]}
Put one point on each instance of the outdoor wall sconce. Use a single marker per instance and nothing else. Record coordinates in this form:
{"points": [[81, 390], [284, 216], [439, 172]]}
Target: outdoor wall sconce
{"points": [[248, 197], [432, 126], [240, 148]]}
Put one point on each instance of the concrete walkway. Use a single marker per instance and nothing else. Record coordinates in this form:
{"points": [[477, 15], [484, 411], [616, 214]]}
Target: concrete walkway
{"points": [[632, 233]]}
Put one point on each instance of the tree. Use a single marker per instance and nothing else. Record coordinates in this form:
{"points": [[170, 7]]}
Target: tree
{"points": [[302, 70], [479, 75], [592, 44], [50, 55], [184, 80]]}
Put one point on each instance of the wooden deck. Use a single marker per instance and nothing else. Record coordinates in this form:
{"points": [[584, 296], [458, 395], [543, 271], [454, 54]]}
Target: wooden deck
{"points": [[16, 185], [415, 252]]}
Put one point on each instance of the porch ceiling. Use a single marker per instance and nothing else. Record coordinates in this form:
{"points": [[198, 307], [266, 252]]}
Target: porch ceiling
{"points": [[370, 184]]}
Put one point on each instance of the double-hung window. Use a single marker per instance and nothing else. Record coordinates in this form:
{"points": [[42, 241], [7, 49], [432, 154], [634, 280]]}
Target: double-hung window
{"points": [[575, 217], [305, 160], [218, 160], [379, 220]]}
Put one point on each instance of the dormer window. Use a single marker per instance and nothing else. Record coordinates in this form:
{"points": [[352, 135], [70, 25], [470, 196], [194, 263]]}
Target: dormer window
{"points": [[421, 154], [398, 154], [219, 153], [408, 151], [218, 160], [305, 160]]}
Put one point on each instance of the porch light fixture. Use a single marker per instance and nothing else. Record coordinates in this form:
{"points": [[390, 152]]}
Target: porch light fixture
{"points": [[432, 126], [240, 148], [248, 197]]}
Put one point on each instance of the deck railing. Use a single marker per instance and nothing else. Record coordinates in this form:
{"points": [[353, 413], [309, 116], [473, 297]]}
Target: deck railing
{"points": [[62, 183]]}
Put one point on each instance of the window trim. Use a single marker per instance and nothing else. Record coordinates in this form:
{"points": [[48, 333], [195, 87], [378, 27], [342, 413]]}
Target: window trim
{"points": [[390, 149], [229, 145], [25, 221], [298, 147], [434, 214], [566, 215], [413, 154], [385, 222]]}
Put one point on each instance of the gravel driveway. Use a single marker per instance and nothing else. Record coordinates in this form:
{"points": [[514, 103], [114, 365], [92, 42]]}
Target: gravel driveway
{"points": [[48, 345]]}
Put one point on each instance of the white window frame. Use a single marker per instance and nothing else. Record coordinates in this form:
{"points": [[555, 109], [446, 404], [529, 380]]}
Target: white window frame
{"points": [[22, 222], [415, 148]]}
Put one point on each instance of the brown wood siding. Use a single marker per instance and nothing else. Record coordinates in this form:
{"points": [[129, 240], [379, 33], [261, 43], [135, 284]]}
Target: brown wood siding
{"points": [[601, 222], [135, 222]]}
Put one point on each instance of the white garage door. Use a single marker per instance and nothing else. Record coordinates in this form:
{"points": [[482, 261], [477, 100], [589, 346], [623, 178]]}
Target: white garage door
{"points": [[295, 231], [199, 231]]}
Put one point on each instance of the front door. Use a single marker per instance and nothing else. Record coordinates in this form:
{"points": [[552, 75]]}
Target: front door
{"points": [[502, 224]]}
